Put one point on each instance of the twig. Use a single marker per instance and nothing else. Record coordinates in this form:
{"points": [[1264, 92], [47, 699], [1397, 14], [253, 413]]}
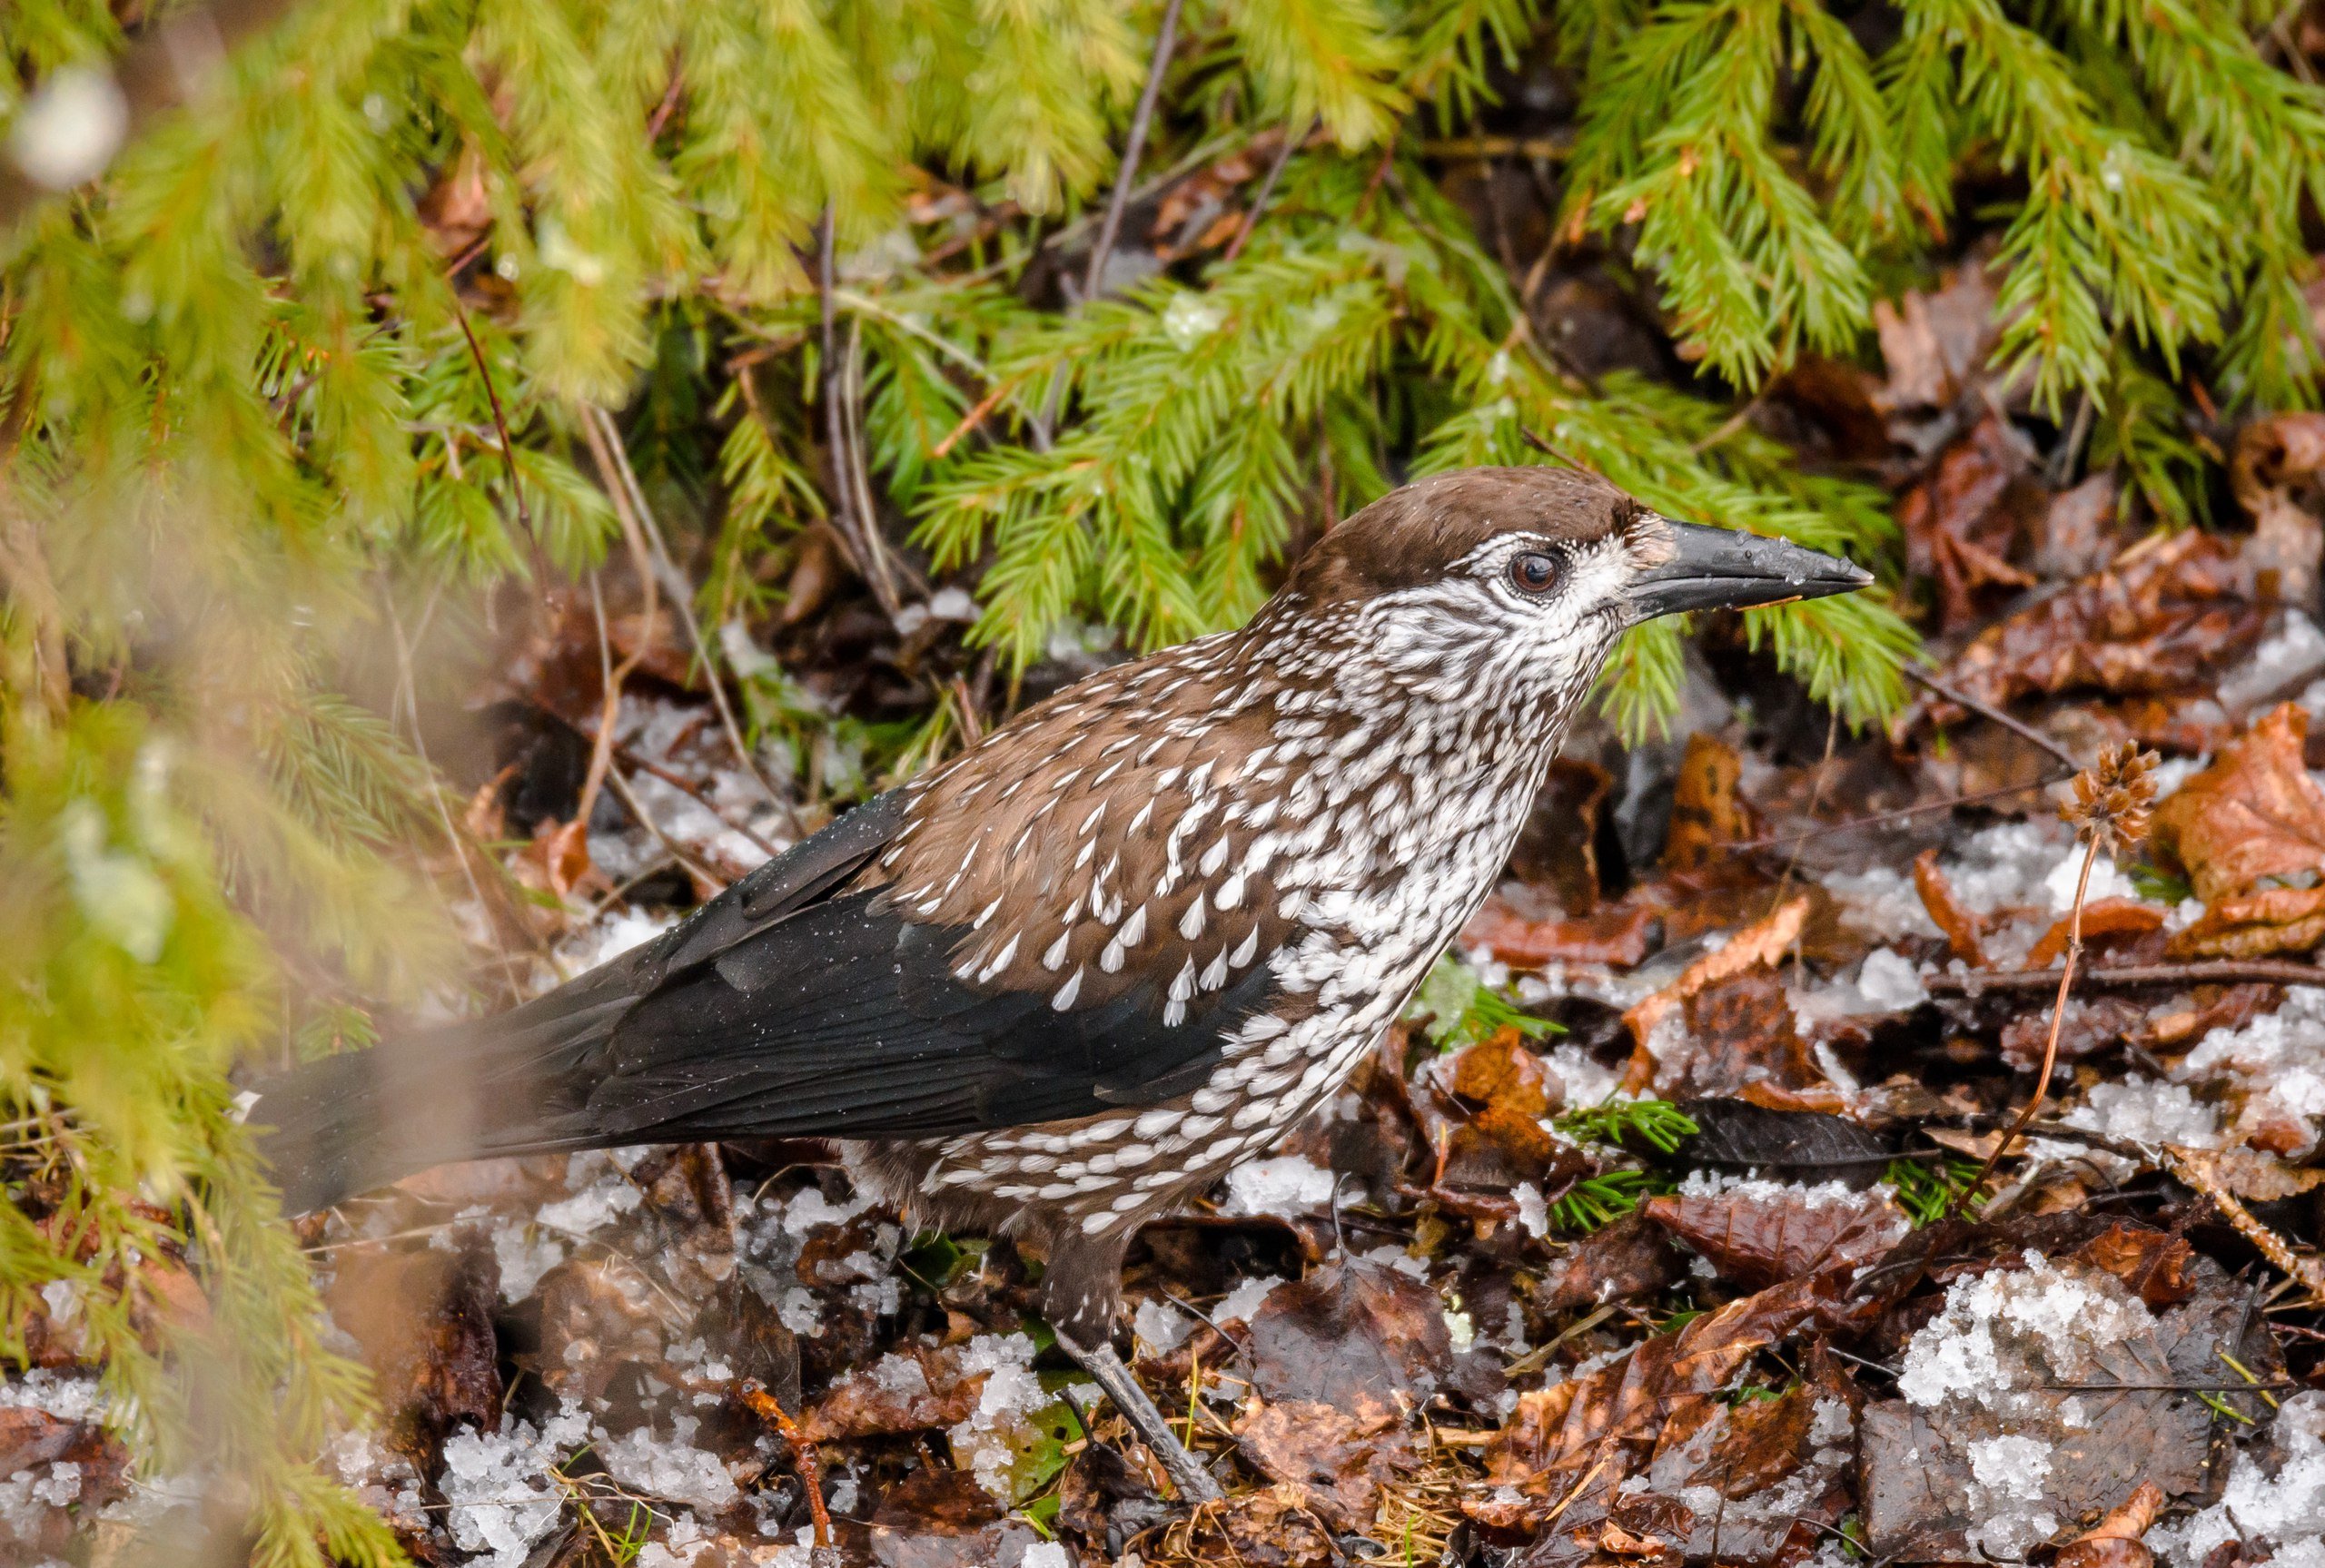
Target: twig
{"points": [[1133, 147], [2209, 971], [858, 531], [500, 419], [1457, 149], [1291, 144], [2025, 732], [644, 819], [605, 446], [602, 745], [679, 780], [2058, 1021], [804, 1456], [2194, 1167], [1876, 819]]}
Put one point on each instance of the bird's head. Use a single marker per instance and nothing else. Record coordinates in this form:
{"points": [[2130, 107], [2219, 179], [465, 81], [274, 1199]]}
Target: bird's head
{"points": [[1513, 584]]}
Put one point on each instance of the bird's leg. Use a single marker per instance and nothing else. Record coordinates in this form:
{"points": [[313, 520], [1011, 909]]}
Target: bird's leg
{"points": [[1081, 1294], [1194, 1483]]}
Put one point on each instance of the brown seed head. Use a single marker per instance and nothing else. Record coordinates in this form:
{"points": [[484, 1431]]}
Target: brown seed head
{"points": [[2114, 797]]}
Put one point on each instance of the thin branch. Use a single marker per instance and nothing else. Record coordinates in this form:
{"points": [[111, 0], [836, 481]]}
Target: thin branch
{"points": [[644, 819], [2209, 971], [1166, 38], [2058, 1021], [605, 446], [500, 419], [1291, 144], [2025, 732], [803, 1455], [611, 676], [859, 530]]}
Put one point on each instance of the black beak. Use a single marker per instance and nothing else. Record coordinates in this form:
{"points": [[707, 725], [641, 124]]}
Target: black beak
{"points": [[1721, 569]]}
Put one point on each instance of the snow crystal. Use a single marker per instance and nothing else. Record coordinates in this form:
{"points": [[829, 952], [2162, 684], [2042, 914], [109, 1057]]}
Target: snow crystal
{"points": [[611, 937], [2106, 881], [2277, 1057], [2008, 1497], [1464, 1331], [1389, 1255], [1045, 1554], [811, 1208], [497, 1487], [1239, 1303], [2285, 1509], [1286, 1185], [2145, 1110], [1587, 1081], [996, 1430], [2291, 655], [1888, 979], [1996, 868], [26, 1497], [801, 1312], [592, 1208], [1881, 902], [1990, 1324], [1533, 1211], [900, 1375], [671, 1467], [1830, 1422], [1161, 1325], [55, 1394], [524, 1255]]}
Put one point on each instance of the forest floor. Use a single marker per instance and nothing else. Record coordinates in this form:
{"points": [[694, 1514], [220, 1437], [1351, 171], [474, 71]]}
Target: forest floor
{"points": [[1646, 1239]]}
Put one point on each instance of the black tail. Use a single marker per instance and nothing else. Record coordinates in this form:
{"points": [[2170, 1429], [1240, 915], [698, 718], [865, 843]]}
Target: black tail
{"points": [[496, 1086]]}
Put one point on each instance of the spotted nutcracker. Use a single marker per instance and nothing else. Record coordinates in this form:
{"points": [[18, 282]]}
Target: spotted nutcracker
{"points": [[1057, 986]]}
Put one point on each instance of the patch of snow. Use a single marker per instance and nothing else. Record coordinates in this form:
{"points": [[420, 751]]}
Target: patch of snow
{"points": [[2172, 772], [2275, 1060], [501, 1500], [1284, 1186], [612, 936], [996, 1430], [1880, 902], [1993, 1325], [670, 1467], [1045, 1554], [1389, 1255], [524, 1255], [1587, 1081], [1533, 1211], [68, 1398], [2283, 1508], [2106, 881], [1888, 979], [592, 1207], [2292, 654], [1239, 1303], [1462, 1330], [1162, 1324], [811, 1208]]}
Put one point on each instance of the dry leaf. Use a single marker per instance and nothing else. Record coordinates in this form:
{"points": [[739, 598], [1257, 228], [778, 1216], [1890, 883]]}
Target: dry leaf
{"points": [[1764, 943], [2115, 1542], [1707, 817], [2255, 813], [2101, 917], [1959, 924], [2274, 920], [1615, 936]]}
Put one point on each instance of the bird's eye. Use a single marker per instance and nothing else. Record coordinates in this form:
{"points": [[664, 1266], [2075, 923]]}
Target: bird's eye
{"points": [[1534, 572]]}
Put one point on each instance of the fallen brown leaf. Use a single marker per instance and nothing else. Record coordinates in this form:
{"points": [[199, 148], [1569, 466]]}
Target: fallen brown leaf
{"points": [[2166, 615], [1764, 943], [2255, 813], [1707, 817], [1761, 1234], [2255, 925], [1334, 1461], [1616, 936], [1959, 926], [2101, 917], [2115, 1542]]}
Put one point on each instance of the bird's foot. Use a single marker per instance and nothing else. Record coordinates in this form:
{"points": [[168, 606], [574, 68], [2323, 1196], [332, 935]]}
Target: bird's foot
{"points": [[1195, 1483]]}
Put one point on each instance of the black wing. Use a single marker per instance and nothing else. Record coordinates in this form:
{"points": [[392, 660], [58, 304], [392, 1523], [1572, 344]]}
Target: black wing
{"points": [[791, 1005]]}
